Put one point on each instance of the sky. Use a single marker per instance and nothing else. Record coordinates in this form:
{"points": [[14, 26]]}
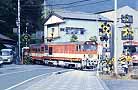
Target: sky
{"points": [[90, 6]]}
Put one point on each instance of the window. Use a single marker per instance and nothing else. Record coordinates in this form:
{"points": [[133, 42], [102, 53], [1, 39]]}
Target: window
{"points": [[53, 29], [73, 30], [61, 29], [38, 49], [46, 47], [78, 47], [89, 47], [42, 48], [50, 50], [81, 32]]}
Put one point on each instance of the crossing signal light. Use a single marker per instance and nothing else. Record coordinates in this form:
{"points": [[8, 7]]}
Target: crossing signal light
{"points": [[104, 38], [105, 28], [127, 31], [101, 38]]}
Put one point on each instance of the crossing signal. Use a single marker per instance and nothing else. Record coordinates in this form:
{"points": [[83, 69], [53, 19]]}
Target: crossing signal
{"points": [[127, 33], [105, 28], [104, 38]]}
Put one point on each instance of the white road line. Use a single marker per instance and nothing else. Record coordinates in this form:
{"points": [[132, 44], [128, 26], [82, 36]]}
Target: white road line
{"points": [[14, 86], [9, 68], [24, 82], [23, 71]]}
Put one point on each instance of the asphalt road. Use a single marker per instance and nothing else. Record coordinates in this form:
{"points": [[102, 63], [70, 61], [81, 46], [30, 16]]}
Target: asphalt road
{"points": [[13, 75]]}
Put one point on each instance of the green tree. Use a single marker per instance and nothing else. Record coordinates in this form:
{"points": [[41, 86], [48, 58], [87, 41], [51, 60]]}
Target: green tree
{"points": [[31, 12], [8, 16], [93, 38], [74, 38]]}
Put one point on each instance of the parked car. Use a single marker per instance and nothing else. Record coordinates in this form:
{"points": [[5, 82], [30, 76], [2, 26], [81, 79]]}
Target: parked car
{"points": [[6, 55], [1, 62]]}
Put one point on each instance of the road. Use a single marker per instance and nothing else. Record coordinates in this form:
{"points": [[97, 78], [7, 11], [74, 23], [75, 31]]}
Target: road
{"points": [[72, 80], [28, 77], [14, 75], [39, 77]]}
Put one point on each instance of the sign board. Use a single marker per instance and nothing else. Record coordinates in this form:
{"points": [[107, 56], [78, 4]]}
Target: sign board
{"points": [[126, 18], [15, 30]]}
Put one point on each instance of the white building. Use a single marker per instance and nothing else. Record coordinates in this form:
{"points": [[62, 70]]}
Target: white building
{"points": [[60, 26], [126, 10], [64, 24]]}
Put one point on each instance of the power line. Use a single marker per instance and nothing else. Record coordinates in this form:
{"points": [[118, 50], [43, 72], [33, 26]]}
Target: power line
{"points": [[70, 6], [85, 4], [63, 4], [70, 3]]}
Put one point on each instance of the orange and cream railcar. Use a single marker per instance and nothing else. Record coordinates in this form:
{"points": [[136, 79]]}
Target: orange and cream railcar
{"points": [[67, 54]]}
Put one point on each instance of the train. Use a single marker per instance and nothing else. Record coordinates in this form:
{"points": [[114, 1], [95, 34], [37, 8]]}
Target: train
{"points": [[77, 55]]}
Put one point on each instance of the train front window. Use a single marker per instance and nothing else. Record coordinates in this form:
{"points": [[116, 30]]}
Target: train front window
{"points": [[89, 47]]}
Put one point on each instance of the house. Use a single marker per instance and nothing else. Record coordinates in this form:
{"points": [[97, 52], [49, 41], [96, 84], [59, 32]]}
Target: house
{"points": [[132, 23], [6, 42], [62, 25]]}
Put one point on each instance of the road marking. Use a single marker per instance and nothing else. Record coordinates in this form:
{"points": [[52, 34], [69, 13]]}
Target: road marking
{"points": [[14, 86], [23, 71], [20, 66]]}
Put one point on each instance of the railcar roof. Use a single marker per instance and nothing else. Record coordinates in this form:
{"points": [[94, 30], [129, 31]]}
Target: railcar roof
{"points": [[59, 43], [53, 43]]}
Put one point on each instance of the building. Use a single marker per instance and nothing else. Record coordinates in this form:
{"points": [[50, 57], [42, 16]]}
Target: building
{"points": [[127, 18], [61, 26]]}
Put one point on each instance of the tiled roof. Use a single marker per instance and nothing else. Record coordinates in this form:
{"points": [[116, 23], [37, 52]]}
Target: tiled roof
{"points": [[80, 15], [4, 37]]}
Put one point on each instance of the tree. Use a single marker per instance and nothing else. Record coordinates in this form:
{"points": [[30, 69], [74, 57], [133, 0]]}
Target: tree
{"points": [[74, 38], [8, 16], [31, 12], [93, 38]]}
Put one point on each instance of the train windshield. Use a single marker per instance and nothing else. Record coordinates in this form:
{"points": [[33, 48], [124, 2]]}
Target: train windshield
{"points": [[89, 47], [131, 49]]}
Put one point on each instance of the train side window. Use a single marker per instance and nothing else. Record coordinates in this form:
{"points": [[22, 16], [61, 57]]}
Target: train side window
{"points": [[50, 50], [42, 48], [46, 47], [38, 50], [78, 47], [33, 50]]}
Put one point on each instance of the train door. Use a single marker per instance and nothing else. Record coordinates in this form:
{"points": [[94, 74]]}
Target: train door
{"points": [[50, 50]]}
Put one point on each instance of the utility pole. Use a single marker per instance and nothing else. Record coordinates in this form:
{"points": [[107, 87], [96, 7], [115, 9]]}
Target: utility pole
{"points": [[115, 38], [26, 33], [45, 9], [19, 36]]}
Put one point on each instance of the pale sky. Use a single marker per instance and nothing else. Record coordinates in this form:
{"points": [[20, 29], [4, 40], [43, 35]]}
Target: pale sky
{"points": [[88, 6]]}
